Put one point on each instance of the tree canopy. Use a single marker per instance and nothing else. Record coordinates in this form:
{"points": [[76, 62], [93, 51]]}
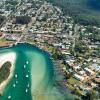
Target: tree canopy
{"points": [[22, 19]]}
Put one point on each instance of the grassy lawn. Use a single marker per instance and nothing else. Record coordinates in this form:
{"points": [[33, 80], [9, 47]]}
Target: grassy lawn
{"points": [[70, 86], [80, 92], [2, 40], [74, 81], [51, 49]]}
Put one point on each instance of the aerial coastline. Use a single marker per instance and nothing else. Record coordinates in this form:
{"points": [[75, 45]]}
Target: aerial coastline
{"points": [[34, 27]]}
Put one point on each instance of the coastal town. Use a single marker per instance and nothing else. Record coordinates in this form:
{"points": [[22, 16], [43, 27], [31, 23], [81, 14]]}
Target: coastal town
{"points": [[74, 48]]}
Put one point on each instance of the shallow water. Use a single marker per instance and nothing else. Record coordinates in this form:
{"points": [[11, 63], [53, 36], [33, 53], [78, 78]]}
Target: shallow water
{"points": [[33, 77]]}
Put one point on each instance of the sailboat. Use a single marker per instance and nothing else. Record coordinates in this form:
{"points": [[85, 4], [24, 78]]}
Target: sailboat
{"points": [[15, 75], [26, 90], [9, 97], [28, 85], [14, 85], [27, 76], [27, 62], [24, 66]]}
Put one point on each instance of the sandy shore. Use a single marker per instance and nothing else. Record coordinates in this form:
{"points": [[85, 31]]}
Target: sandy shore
{"points": [[4, 58]]}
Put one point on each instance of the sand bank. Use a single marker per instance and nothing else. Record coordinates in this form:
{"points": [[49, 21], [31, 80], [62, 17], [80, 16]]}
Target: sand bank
{"points": [[11, 57]]}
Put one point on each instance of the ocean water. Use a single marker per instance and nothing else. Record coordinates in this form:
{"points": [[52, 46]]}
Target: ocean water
{"points": [[33, 77]]}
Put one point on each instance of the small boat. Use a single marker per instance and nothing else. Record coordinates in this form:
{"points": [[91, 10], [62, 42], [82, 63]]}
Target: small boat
{"points": [[14, 85], [24, 66], [16, 81], [16, 76], [27, 62], [27, 76], [9, 97], [28, 85], [26, 90]]}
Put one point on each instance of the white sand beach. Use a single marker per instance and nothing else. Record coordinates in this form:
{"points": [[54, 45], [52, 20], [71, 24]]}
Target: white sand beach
{"points": [[11, 57]]}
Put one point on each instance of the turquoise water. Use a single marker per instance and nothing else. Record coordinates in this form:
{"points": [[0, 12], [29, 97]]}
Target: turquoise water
{"points": [[35, 75]]}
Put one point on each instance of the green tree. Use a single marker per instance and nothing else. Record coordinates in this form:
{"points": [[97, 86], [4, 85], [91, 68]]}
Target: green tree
{"points": [[81, 47], [91, 96], [23, 19]]}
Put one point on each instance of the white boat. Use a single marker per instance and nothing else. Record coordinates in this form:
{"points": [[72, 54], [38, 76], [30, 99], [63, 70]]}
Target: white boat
{"points": [[27, 76], [9, 97], [27, 62], [14, 85], [24, 66], [26, 90], [16, 81], [28, 85], [16, 76]]}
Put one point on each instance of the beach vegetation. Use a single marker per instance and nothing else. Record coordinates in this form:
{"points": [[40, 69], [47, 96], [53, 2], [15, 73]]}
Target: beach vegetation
{"points": [[5, 71]]}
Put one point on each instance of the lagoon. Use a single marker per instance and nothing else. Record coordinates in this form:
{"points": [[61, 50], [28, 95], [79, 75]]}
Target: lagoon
{"points": [[33, 77]]}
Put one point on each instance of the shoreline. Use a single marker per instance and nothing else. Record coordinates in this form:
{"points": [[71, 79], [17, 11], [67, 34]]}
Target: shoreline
{"points": [[11, 56]]}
